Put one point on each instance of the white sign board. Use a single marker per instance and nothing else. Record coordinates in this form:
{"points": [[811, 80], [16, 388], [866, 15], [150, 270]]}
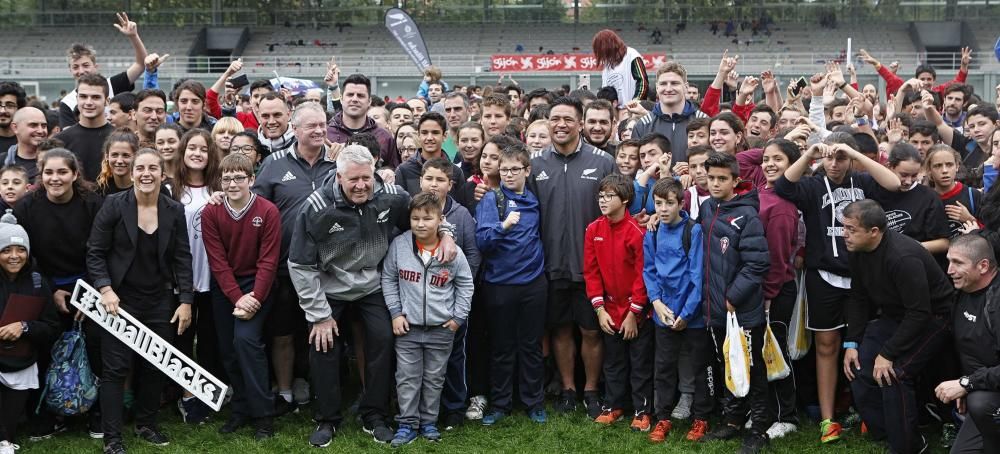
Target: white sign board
{"points": [[151, 347]]}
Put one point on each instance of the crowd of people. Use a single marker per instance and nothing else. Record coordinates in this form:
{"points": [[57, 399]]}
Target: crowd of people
{"points": [[471, 242]]}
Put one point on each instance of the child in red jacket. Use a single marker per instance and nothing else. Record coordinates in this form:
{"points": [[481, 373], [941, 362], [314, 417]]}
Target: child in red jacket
{"points": [[612, 254]]}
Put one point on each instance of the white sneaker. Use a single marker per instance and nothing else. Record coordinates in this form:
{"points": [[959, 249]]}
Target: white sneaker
{"points": [[477, 407], [300, 391], [683, 408], [7, 447], [780, 429]]}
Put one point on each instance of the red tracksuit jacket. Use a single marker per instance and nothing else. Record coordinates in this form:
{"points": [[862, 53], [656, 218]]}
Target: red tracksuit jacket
{"points": [[612, 267]]}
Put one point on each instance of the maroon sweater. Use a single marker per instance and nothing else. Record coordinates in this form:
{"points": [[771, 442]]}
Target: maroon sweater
{"points": [[248, 246], [781, 226]]}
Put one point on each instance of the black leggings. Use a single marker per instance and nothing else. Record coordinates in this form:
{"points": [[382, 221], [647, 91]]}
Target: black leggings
{"points": [[12, 404]]}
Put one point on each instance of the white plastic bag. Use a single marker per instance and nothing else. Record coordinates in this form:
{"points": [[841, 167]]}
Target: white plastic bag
{"points": [[799, 338], [737, 357], [777, 367]]}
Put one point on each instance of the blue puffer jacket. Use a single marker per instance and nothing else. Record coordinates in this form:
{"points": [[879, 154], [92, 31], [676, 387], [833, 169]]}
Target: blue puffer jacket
{"points": [[736, 259], [672, 275]]}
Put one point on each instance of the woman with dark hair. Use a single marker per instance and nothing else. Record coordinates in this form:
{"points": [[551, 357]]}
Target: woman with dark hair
{"points": [[198, 177], [116, 168], [168, 138], [249, 145], [471, 139], [915, 210], [622, 67], [138, 255]]}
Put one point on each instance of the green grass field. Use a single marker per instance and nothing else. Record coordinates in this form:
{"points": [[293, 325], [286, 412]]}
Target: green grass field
{"points": [[562, 434]]}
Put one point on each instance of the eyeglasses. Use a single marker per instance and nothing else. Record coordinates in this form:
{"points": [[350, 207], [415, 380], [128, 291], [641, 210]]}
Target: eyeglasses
{"points": [[606, 196], [245, 149], [238, 179], [511, 171], [8, 107]]}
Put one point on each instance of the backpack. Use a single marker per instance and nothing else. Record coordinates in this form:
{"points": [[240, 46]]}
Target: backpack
{"points": [[70, 386], [685, 236]]}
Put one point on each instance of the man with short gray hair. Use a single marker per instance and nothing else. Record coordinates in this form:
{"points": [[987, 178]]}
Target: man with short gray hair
{"points": [[340, 237]]}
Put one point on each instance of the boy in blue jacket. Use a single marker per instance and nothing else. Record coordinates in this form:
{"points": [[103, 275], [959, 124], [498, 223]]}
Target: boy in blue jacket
{"points": [[507, 233], [736, 261], [673, 275]]}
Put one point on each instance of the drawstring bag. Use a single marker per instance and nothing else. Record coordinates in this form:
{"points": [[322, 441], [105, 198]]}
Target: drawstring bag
{"points": [[70, 386], [777, 367], [737, 357], [799, 338]]}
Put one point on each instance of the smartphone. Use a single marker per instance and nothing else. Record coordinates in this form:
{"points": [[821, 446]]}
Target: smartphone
{"points": [[799, 85], [240, 81]]}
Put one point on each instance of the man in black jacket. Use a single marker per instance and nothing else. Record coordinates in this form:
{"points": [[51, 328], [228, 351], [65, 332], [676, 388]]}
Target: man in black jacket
{"points": [[972, 266], [894, 275]]}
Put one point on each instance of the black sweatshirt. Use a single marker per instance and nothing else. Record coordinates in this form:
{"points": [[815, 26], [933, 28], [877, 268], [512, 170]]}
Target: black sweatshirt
{"points": [[41, 332], [902, 279], [976, 323], [58, 232]]}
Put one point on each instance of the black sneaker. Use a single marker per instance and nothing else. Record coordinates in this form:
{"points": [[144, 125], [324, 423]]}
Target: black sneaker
{"points": [[592, 402], [722, 432], [264, 428], [235, 422], [193, 411], [566, 402], [380, 432], [452, 420], [48, 430], [94, 427], [323, 435], [283, 407], [152, 435], [114, 447], [753, 444]]}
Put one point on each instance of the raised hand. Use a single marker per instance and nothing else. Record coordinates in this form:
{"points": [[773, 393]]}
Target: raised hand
{"points": [[768, 81], [332, 77], [817, 83], [728, 64], [235, 67], [867, 58], [125, 26], [966, 57], [834, 73]]}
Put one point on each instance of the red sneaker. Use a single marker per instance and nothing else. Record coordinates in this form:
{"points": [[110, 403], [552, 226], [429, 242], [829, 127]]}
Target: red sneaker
{"points": [[660, 432], [698, 430]]}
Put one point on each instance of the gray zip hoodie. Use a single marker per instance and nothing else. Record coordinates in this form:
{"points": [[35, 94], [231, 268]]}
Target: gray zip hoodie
{"points": [[428, 294]]}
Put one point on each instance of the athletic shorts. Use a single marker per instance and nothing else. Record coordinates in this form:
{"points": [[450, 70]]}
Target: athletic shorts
{"points": [[286, 314], [568, 303], [826, 303]]}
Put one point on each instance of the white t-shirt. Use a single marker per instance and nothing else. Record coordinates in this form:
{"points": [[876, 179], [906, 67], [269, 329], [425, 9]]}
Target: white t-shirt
{"points": [[26, 378], [194, 200], [620, 77]]}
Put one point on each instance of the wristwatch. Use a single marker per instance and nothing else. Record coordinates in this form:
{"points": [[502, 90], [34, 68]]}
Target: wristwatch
{"points": [[964, 383], [24, 328]]}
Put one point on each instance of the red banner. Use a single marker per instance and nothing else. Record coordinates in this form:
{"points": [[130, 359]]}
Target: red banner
{"points": [[560, 62]]}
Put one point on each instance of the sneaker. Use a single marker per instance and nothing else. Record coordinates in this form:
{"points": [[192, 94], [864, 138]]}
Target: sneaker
{"points": [[477, 407], [94, 427], [263, 428], [115, 447], [592, 402], [235, 422], [925, 446], [948, 435], [404, 436], [829, 431], [323, 435], [452, 420], [380, 432], [723, 432], [660, 432], [283, 407], [753, 444], [430, 433], [567, 401], [152, 435], [850, 420], [780, 429], [493, 416], [641, 423], [46, 431], [7, 447], [683, 408], [609, 416], [193, 411], [698, 429], [538, 416], [300, 391]]}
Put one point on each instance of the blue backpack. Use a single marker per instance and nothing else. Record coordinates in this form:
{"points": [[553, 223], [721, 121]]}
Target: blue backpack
{"points": [[70, 386]]}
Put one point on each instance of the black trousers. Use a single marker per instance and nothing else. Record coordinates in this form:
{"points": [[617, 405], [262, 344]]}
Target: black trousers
{"points": [[241, 346], [627, 366], [891, 411], [734, 409], [667, 360], [12, 404], [981, 431], [781, 393], [379, 358], [204, 350], [517, 323], [456, 390], [118, 359], [477, 345]]}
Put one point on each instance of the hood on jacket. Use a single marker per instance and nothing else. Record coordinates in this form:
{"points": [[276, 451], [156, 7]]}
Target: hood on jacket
{"points": [[338, 123], [689, 111], [747, 198]]}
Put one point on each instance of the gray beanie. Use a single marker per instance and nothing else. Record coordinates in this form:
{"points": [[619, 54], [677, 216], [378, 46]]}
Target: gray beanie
{"points": [[12, 234]]}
